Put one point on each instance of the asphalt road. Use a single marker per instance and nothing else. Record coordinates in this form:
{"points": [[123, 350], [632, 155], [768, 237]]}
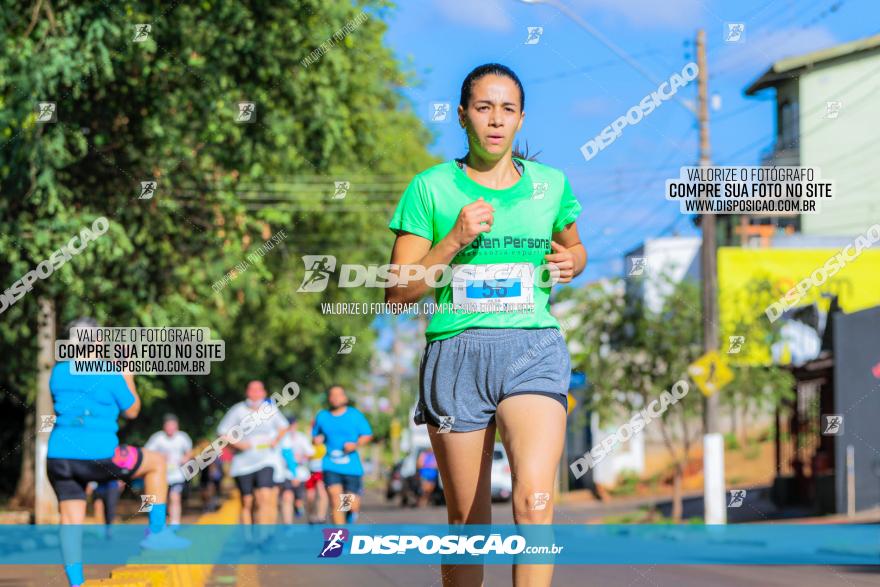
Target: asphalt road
{"points": [[378, 512]]}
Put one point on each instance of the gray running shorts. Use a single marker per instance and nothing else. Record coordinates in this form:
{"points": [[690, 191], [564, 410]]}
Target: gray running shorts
{"points": [[468, 375]]}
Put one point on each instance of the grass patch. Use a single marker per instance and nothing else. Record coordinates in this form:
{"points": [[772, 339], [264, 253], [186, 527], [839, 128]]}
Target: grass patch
{"points": [[752, 452], [731, 442], [626, 485]]}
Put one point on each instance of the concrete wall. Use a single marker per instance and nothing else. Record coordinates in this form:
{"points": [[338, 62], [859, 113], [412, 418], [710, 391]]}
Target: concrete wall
{"points": [[845, 148], [856, 397], [678, 256]]}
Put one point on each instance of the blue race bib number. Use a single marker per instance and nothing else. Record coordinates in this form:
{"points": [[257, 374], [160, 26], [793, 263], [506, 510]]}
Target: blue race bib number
{"points": [[493, 288]]}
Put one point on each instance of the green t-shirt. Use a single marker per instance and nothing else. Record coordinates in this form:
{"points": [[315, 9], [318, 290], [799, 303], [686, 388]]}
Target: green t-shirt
{"points": [[526, 216]]}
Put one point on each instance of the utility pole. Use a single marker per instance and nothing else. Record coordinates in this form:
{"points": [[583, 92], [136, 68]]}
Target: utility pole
{"points": [[714, 502]]}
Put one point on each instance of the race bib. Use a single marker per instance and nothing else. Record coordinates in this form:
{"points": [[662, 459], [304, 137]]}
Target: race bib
{"points": [[260, 442], [496, 287], [339, 458]]}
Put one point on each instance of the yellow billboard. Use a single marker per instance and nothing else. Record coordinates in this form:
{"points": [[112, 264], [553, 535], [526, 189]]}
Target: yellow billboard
{"points": [[756, 285]]}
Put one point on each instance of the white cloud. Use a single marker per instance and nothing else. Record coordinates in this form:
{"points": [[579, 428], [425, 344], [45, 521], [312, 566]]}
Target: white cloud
{"points": [[484, 14]]}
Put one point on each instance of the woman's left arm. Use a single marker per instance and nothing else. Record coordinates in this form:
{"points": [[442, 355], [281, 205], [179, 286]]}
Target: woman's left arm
{"points": [[569, 253]]}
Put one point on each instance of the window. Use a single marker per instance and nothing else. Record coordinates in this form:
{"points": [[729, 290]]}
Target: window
{"points": [[789, 125]]}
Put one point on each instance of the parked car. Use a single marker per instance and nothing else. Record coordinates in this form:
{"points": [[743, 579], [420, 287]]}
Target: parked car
{"points": [[502, 481], [395, 482], [404, 482]]}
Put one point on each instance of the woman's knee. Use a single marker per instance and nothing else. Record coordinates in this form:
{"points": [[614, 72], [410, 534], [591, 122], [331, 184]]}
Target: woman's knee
{"points": [[476, 514], [532, 507], [154, 461]]}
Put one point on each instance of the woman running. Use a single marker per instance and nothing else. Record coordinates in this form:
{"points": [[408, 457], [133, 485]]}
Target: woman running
{"points": [[254, 438], [494, 354], [296, 449], [317, 499], [83, 447], [176, 446]]}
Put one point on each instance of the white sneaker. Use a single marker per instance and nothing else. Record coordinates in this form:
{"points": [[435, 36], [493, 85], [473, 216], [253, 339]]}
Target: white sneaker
{"points": [[164, 540]]}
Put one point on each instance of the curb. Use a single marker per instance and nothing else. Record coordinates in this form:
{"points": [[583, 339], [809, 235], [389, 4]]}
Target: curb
{"points": [[170, 575]]}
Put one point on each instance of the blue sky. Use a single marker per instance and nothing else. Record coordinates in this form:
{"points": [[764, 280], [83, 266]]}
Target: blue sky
{"points": [[575, 86]]}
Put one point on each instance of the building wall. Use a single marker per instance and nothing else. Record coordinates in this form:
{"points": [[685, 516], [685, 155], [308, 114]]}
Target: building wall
{"points": [[678, 257], [785, 148], [845, 148], [856, 397], [629, 456]]}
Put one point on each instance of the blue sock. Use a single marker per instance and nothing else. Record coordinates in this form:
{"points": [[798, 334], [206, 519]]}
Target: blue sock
{"points": [[75, 573], [157, 517], [352, 517]]}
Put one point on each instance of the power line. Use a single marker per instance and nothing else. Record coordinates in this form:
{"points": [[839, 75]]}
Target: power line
{"points": [[587, 68], [725, 67], [663, 166]]}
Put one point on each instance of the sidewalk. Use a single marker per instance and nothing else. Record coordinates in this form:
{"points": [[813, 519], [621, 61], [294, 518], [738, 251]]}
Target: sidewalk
{"points": [[757, 508]]}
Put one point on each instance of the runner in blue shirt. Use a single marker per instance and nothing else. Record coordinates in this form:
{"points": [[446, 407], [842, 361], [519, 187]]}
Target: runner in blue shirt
{"points": [[342, 429], [83, 447]]}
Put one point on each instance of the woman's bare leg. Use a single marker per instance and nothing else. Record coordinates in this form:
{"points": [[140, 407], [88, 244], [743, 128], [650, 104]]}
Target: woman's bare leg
{"points": [[465, 463], [154, 472], [247, 509], [73, 514], [533, 432], [323, 500], [267, 505], [100, 514], [287, 507], [335, 492], [175, 508]]}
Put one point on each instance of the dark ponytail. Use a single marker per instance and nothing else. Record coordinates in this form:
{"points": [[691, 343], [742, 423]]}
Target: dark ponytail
{"points": [[524, 154], [504, 71]]}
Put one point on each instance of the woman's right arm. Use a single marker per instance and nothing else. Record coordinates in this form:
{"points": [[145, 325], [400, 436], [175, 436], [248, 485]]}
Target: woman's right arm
{"points": [[132, 412], [411, 251]]}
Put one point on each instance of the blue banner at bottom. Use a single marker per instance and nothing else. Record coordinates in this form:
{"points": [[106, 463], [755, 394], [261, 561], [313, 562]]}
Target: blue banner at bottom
{"points": [[361, 544]]}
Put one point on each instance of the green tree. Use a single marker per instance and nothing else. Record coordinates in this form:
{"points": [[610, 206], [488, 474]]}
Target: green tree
{"points": [[758, 386], [165, 109], [632, 354]]}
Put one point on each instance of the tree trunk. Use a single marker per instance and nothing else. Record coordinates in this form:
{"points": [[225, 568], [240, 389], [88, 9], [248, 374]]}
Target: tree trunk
{"points": [[24, 491], [677, 475], [734, 421], [45, 502]]}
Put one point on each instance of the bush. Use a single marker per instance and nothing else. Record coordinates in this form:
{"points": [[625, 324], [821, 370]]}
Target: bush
{"points": [[731, 442]]}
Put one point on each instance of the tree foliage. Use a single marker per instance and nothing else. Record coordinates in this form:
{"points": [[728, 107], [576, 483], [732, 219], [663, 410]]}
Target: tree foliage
{"points": [[632, 354], [165, 110]]}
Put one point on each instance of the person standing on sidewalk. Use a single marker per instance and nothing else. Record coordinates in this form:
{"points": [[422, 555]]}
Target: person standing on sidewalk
{"points": [[342, 429]]}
